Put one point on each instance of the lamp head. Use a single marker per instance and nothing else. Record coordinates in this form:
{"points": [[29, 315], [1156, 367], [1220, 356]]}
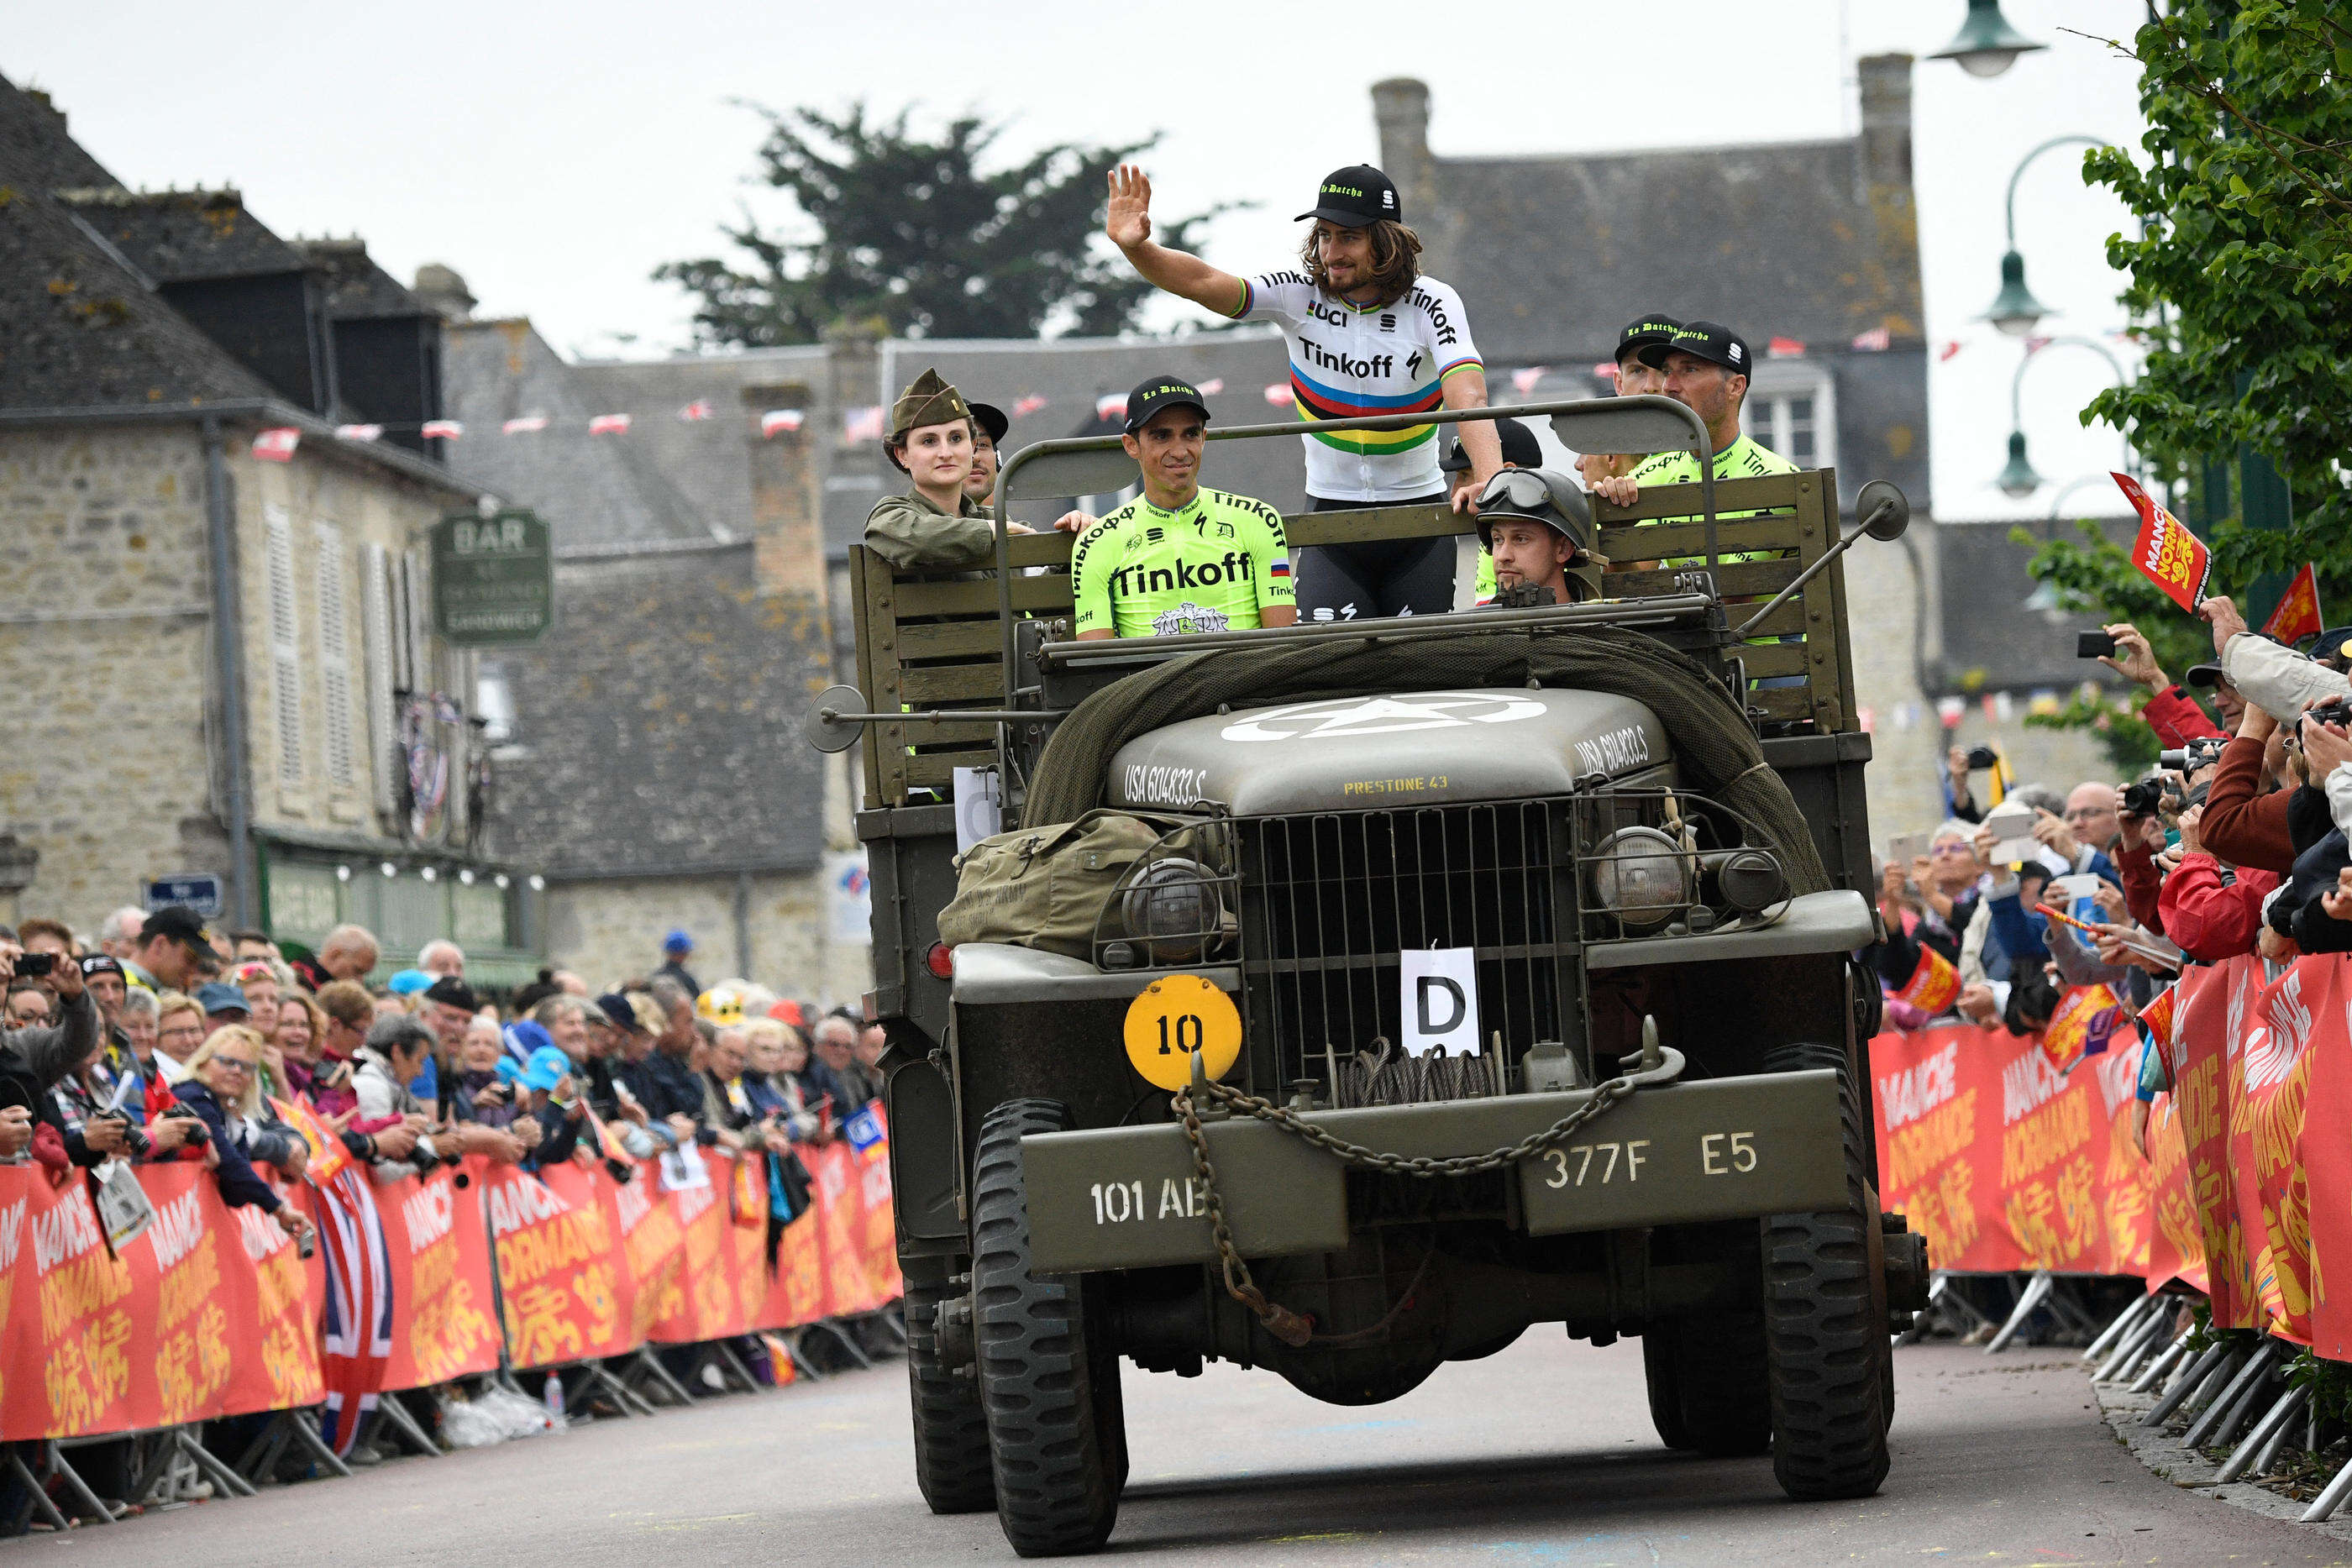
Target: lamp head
{"points": [[2014, 309], [1986, 44], [2018, 480]]}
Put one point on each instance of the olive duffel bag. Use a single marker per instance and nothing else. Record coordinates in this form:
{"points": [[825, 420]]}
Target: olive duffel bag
{"points": [[1047, 887]]}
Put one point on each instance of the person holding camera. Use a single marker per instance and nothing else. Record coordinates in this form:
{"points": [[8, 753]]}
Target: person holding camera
{"points": [[2172, 712], [394, 1133], [34, 1061], [223, 1090]]}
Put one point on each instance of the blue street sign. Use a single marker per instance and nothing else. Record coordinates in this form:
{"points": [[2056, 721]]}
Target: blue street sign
{"points": [[199, 889]]}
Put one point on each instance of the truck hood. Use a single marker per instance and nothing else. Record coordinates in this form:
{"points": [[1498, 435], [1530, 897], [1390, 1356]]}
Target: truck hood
{"points": [[1357, 753]]}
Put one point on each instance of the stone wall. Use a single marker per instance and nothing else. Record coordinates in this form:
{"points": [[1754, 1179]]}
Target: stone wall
{"points": [[606, 930], [105, 662]]}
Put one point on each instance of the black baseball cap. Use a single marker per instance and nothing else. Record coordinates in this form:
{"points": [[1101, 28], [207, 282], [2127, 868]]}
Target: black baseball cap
{"points": [[2202, 676], [180, 922], [1521, 448], [451, 991], [2330, 644], [1653, 326], [1155, 392], [1355, 196], [1710, 340], [991, 420], [615, 1008]]}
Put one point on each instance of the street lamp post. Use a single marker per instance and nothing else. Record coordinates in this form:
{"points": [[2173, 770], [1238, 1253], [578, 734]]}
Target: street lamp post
{"points": [[2018, 479], [1986, 44], [2014, 309]]}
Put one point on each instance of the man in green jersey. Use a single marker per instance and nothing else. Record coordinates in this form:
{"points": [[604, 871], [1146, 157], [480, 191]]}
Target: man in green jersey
{"points": [[1179, 558], [1706, 366]]}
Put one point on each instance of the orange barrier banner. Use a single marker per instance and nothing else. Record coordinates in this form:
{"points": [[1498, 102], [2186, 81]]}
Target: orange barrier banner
{"points": [[2002, 1161], [559, 1270], [707, 1305], [208, 1311], [440, 1253]]}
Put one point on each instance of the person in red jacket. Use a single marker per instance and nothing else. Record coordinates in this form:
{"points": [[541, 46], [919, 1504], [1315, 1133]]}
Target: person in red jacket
{"points": [[2245, 820], [2172, 712], [2209, 915]]}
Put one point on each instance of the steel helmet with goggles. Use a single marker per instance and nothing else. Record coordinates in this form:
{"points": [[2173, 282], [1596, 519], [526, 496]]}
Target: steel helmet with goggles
{"points": [[1548, 496]]}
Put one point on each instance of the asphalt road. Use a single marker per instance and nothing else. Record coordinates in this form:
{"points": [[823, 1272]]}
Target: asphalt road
{"points": [[1542, 1455]]}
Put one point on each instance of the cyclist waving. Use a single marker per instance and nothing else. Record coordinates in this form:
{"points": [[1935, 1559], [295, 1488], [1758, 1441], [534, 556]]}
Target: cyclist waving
{"points": [[1367, 334]]}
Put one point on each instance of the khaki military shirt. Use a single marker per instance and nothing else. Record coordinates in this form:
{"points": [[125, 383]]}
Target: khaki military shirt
{"points": [[910, 530]]}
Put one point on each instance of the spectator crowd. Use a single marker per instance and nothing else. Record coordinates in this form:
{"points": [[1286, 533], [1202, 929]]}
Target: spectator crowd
{"points": [[164, 1037], [2235, 843]]}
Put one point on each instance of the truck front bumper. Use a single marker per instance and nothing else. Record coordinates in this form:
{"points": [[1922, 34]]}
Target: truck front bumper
{"points": [[1729, 1148]]}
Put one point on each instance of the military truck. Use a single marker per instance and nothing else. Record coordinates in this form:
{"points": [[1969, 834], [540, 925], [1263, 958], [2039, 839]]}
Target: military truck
{"points": [[1459, 975]]}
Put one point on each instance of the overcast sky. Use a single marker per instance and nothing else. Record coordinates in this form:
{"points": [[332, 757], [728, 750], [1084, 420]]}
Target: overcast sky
{"points": [[554, 154]]}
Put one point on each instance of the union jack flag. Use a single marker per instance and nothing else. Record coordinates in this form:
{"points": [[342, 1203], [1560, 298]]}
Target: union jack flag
{"points": [[359, 1304]]}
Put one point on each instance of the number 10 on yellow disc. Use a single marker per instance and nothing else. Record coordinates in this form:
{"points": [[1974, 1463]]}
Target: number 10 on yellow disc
{"points": [[1175, 1017]]}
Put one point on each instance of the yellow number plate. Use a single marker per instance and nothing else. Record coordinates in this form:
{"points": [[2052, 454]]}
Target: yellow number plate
{"points": [[1175, 1017]]}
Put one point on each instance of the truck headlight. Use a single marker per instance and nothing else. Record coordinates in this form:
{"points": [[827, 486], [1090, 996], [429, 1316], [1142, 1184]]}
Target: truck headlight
{"points": [[1641, 877], [1172, 906]]}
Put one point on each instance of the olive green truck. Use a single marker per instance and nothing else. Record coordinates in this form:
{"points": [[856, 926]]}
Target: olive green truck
{"points": [[1429, 980]]}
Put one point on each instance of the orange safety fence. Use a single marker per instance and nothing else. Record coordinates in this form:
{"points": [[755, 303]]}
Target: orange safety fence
{"points": [[210, 1312]]}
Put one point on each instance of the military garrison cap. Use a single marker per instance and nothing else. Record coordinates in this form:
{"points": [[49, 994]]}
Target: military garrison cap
{"points": [[928, 400]]}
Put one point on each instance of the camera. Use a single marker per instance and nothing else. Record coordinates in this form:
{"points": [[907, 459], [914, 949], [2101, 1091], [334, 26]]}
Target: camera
{"points": [[2334, 710], [30, 966], [2143, 798], [2190, 758], [2094, 646], [1982, 757]]}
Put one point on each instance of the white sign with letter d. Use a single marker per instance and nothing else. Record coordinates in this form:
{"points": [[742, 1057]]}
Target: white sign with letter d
{"points": [[1440, 1000]]}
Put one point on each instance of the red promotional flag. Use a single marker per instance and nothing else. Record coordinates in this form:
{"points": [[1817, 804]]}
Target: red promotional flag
{"points": [[1280, 393], [1877, 340], [1031, 402], [2165, 553], [327, 1156], [2297, 615], [609, 424], [781, 418], [1934, 984], [442, 430], [276, 444], [699, 409], [1112, 406], [359, 432], [526, 426], [1784, 348]]}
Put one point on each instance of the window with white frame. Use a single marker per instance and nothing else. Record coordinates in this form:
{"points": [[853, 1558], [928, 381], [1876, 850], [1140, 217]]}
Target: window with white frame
{"points": [[335, 661], [284, 652], [1792, 409]]}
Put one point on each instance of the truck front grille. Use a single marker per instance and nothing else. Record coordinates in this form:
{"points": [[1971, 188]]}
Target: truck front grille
{"points": [[1330, 901]]}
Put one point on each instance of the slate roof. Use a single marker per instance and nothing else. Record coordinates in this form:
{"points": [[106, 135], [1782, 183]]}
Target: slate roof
{"points": [[77, 330], [184, 236], [36, 153], [662, 717], [356, 288], [596, 492], [1553, 254]]}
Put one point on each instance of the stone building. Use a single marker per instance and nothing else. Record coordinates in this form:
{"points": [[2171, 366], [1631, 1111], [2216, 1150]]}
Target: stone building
{"points": [[217, 663], [1808, 249]]}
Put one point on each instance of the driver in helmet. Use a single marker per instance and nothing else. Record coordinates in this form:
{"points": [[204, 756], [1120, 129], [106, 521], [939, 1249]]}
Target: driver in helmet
{"points": [[1536, 524]]}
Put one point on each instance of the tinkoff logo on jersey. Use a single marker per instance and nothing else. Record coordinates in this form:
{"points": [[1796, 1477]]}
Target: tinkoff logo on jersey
{"points": [[1189, 617], [1233, 566]]}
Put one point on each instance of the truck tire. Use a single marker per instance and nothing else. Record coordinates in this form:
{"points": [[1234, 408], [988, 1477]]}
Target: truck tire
{"points": [[1042, 1385], [951, 1464], [1708, 1390], [1662, 1371], [1826, 1347]]}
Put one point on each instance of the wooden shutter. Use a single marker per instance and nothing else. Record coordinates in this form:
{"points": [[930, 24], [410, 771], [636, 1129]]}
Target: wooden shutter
{"points": [[335, 660], [377, 636], [285, 656]]}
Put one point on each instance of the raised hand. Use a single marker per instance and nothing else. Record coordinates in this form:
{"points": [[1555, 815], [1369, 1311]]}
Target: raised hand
{"points": [[1127, 218]]}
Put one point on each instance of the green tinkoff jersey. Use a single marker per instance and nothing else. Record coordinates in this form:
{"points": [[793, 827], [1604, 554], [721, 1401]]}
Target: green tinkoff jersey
{"points": [[1211, 566], [1743, 459]]}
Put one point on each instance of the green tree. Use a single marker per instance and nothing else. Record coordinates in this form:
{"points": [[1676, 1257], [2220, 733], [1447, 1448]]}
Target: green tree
{"points": [[911, 233], [2241, 286]]}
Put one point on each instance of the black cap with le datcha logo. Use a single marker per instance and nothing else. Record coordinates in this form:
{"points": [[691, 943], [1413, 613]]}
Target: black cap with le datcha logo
{"points": [[1355, 196], [1653, 327], [1710, 340], [1156, 392]]}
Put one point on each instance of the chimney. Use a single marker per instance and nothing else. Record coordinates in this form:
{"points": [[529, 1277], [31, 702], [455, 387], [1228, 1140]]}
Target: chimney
{"points": [[1401, 107], [443, 292], [787, 508], [1886, 118]]}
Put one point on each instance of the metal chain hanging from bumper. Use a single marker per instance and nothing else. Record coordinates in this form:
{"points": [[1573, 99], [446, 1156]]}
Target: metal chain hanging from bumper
{"points": [[1660, 1065]]}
